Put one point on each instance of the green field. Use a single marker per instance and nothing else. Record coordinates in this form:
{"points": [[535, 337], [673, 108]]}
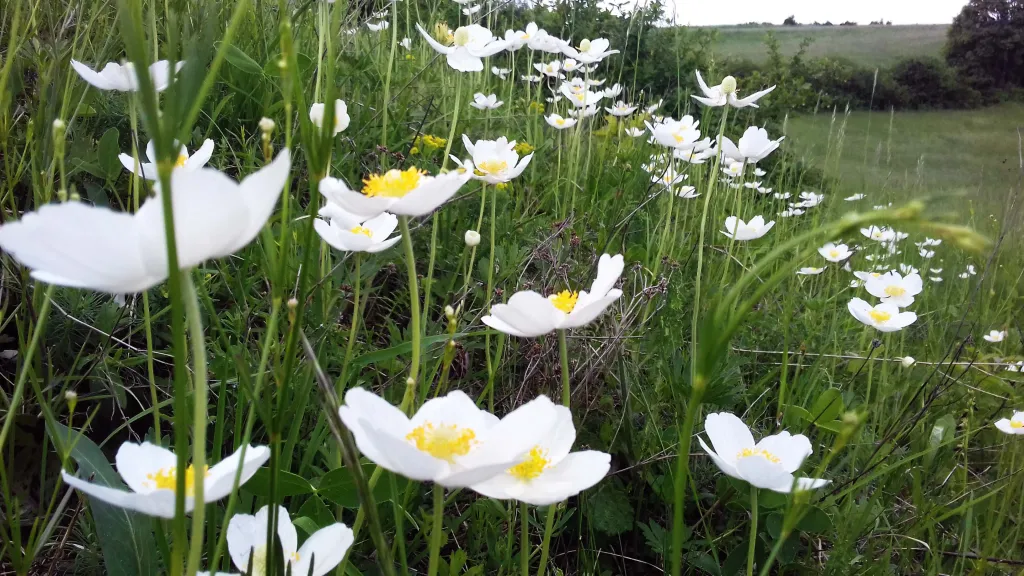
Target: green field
{"points": [[865, 45]]}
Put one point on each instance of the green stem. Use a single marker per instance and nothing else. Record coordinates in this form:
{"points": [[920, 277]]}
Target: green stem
{"points": [[356, 307], [753, 530], [491, 368], [387, 78], [524, 540], [414, 313], [199, 417], [435, 531], [549, 523], [19, 387], [563, 352]]}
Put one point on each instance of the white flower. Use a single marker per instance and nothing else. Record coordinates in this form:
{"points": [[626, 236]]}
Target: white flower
{"points": [[781, 195], [319, 554], [531, 78], [406, 43], [1015, 367], [593, 82], [907, 268], [472, 238], [82, 246], [556, 121], [810, 271], [681, 133], [696, 155], [580, 98], [553, 68], [970, 270], [668, 177], [768, 464], [1013, 425], [470, 10], [448, 441], [687, 192], [472, 43], [590, 51], [410, 192], [810, 199], [739, 230], [886, 317], [150, 472], [528, 314], [613, 91], [550, 473], [621, 109], [835, 253], [932, 242], [935, 278], [496, 161], [758, 172], [725, 93], [481, 102], [570, 65], [378, 26], [635, 132], [927, 254], [653, 107], [995, 335], [184, 162], [371, 236], [122, 77], [790, 212], [732, 169], [500, 72], [878, 234], [907, 361], [854, 198], [341, 118], [752, 147], [337, 215], [587, 112]]}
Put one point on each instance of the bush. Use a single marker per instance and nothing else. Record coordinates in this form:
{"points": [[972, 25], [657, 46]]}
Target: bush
{"points": [[929, 83], [986, 44]]}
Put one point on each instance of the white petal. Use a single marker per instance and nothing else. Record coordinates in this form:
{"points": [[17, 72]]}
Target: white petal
{"points": [[764, 474], [201, 156], [260, 192], [324, 550], [728, 434], [792, 450], [220, 478], [136, 461], [159, 503], [529, 313], [577, 472]]}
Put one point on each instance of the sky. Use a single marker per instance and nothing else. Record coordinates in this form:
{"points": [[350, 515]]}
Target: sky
{"points": [[718, 12]]}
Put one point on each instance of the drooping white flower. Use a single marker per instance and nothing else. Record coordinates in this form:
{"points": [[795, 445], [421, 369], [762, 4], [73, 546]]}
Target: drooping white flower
{"points": [[810, 271], [122, 77], [556, 121], [378, 26], [886, 317], [590, 51], [835, 253], [621, 109], [907, 361], [768, 464], [995, 335], [528, 314], [184, 161], [341, 118], [471, 44], [151, 474], [496, 161], [1012, 425], [550, 473], [81, 246], [725, 93], [500, 72], [319, 554], [371, 236], [410, 192], [739, 230], [448, 441], [481, 102]]}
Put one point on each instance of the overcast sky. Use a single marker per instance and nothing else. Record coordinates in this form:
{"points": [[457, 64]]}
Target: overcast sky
{"points": [[716, 12]]}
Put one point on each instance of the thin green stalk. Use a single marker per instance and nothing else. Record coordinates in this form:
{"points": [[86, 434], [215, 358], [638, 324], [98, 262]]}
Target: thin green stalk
{"points": [[563, 353], [435, 531], [414, 314], [356, 309], [549, 523], [491, 368], [387, 77], [199, 418], [753, 530], [19, 386], [524, 539]]}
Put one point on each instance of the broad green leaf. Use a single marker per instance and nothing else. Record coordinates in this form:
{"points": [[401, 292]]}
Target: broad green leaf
{"points": [[242, 61], [288, 484], [108, 152], [306, 524], [828, 407], [339, 487], [315, 509], [816, 522]]}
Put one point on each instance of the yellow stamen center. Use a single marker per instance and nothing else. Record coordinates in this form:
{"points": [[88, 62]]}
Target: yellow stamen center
{"points": [[167, 479], [493, 166], [533, 466], [180, 162], [565, 300], [442, 441], [1016, 424], [560, 121], [748, 452], [364, 231], [833, 253], [880, 316], [895, 291], [393, 183], [294, 556]]}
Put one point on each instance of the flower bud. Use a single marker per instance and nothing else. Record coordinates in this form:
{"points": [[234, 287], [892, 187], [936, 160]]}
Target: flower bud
{"points": [[58, 125], [907, 361], [728, 85], [472, 238], [267, 125], [449, 312]]}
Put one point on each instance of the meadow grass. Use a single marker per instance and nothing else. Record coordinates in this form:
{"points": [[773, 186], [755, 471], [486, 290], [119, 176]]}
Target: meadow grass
{"points": [[870, 46], [261, 346]]}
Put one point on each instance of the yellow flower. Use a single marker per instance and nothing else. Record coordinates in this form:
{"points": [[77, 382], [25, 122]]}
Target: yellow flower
{"points": [[523, 148]]}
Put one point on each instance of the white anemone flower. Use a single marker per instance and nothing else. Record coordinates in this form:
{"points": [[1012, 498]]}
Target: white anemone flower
{"points": [[907, 361], [371, 236], [878, 234], [319, 554], [654, 107], [635, 132], [81, 246], [621, 109], [687, 192], [449, 440], [528, 314], [668, 177], [927, 254], [184, 161], [935, 278], [531, 78], [406, 43], [613, 91], [681, 133], [781, 195], [580, 98], [590, 51], [768, 464], [587, 112], [378, 26], [699, 154], [495, 161], [470, 10], [790, 212], [752, 147], [570, 65], [544, 42], [481, 102], [516, 39], [594, 82], [907, 268], [854, 198], [500, 72], [835, 252], [550, 473], [725, 93], [739, 230], [558, 122], [150, 471], [894, 288], [553, 68], [886, 317], [995, 336], [758, 172], [122, 77], [733, 169], [1012, 425], [410, 192], [810, 199], [341, 118], [810, 271], [472, 43]]}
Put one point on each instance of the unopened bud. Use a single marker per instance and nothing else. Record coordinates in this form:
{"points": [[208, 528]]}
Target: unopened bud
{"points": [[267, 125], [728, 85], [62, 195], [410, 381], [907, 361], [75, 197], [449, 312], [292, 303], [59, 125], [71, 397], [472, 238], [451, 344]]}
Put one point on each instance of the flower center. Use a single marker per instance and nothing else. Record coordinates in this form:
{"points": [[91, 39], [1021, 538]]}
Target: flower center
{"points": [[880, 316], [585, 46], [461, 36], [748, 452], [560, 121], [180, 162], [167, 479], [833, 253], [565, 300], [1016, 424], [533, 466], [393, 183], [442, 441], [895, 291], [259, 560], [364, 231], [493, 166]]}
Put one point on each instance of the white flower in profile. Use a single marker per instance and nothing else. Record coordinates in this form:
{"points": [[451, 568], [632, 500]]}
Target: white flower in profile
{"points": [[587, 112], [410, 192], [481, 102], [1015, 366], [594, 82], [635, 132], [470, 10], [932, 242], [886, 317], [768, 464], [752, 185], [758, 172], [878, 234], [854, 198], [544, 42], [935, 278], [590, 51], [732, 169], [471, 44], [184, 161], [790, 212], [781, 195], [81, 246], [621, 109], [516, 39], [835, 253], [500, 72], [654, 107], [151, 473], [927, 254], [371, 236], [613, 91], [725, 93], [907, 361], [570, 65], [995, 336], [336, 214], [699, 154], [531, 78], [319, 554], [581, 99], [907, 269], [122, 77], [668, 177], [550, 473], [687, 192], [341, 118], [378, 26], [1012, 425], [810, 271], [406, 43], [739, 230], [810, 199], [528, 314], [558, 122], [681, 133], [894, 288], [553, 68], [496, 161], [449, 440], [752, 147]]}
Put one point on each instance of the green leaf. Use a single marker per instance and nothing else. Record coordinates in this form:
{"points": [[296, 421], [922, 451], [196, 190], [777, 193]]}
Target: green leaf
{"points": [[339, 487], [816, 522], [828, 407], [109, 148], [307, 525], [315, 509], [125, 537], [378, 356], [610, 511], [242, 61], [288, 484]]}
